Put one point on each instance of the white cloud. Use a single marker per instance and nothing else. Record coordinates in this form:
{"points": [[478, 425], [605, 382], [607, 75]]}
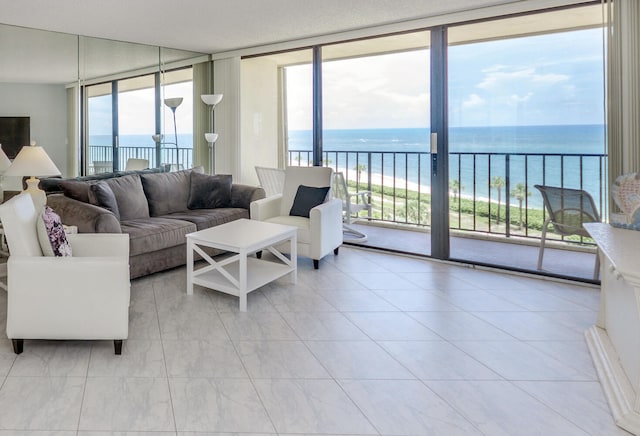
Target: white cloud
{"points": [[473, 100], [550, 79], [496, 75], [515, 98]]}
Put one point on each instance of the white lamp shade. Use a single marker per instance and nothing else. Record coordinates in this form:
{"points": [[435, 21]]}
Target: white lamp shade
{"points": [[211, 137], [32, 161], [211, 99], [173, 102], [157, 138], [4, 161]]}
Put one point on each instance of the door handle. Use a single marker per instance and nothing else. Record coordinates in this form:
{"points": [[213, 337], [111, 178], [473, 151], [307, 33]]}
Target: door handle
{"points": [[434, 153]]}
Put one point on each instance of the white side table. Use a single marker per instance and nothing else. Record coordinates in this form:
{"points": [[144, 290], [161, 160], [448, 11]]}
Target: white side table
{"points": [[239, 274]]}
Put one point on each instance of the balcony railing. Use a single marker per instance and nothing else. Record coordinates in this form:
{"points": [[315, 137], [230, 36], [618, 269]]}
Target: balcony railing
{"points": [[486, 190], [101, 157]]}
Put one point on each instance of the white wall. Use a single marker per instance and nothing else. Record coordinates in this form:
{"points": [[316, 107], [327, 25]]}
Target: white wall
{"points": [[259, 117], [47, 107]]}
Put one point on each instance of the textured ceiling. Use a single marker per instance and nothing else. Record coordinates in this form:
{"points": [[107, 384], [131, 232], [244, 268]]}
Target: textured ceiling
{"points": [[211, 26]]}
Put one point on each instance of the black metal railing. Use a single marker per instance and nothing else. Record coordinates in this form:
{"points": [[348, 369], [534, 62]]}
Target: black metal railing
{"points": [[486, 190], [101, 157]]}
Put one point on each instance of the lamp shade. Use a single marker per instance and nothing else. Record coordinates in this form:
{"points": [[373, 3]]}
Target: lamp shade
{"points": [[173, 103], [211, 137], [4, 161], [211, 99], [32, 161]]}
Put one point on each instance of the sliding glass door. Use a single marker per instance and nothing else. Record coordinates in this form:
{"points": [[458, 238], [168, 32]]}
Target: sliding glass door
{"points": [[526, 108]]}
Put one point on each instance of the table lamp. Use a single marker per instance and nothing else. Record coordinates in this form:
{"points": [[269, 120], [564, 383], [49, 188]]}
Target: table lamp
{"points": [[34, 162]]}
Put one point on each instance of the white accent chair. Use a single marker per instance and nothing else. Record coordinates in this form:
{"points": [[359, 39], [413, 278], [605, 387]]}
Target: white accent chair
{"points": [[319, 234], [85, 296]]}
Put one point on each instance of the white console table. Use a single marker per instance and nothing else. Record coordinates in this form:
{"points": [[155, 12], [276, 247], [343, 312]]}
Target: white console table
{"points": [[614, 342]]}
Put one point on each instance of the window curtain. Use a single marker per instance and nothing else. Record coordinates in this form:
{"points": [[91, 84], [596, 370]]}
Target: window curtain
{"points": [[201, 85], [73, 129], [623, 87], [226, 80]]}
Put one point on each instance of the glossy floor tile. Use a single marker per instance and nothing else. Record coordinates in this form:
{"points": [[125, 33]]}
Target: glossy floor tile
{"points": [[369, 344]]}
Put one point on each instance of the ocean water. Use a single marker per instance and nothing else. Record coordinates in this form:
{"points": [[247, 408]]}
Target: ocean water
{"points": [[567, 155], [560, 155]]}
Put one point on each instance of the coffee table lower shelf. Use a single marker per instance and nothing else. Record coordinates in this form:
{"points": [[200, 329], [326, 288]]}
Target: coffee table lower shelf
{"points": [[259, 273]]}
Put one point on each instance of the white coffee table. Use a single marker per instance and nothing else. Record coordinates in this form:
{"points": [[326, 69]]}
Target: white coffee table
{"points": [[240, 274]]}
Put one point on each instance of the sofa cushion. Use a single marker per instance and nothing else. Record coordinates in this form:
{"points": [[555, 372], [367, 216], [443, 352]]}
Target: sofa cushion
{"points": [[168, 192], [75, 189], [205, 218], [209, 192], [132, 203], [151, 234], [101, 194]]}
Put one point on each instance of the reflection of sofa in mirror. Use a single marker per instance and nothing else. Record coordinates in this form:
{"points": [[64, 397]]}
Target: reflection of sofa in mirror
{"points": [[156, 209]]}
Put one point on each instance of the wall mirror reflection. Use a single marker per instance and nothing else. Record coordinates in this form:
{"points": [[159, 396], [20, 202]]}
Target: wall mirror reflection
{"points": [[95, 103]]}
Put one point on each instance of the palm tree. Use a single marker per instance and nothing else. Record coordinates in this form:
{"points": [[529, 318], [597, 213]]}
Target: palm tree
{"points": [[359, 168], [456, 187], [520, 193], [497, 182]]}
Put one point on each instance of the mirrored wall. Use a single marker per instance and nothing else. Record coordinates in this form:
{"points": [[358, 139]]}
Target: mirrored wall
{"points": [[53, 77]]}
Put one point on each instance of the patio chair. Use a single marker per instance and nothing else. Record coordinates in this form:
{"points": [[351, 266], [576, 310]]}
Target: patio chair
{"points": [[102, 166], [352, 204], [136, 164], [567, 209], [271, 180]]}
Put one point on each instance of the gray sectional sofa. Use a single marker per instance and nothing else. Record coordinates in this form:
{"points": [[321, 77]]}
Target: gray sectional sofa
{"points": [[156, 209]]}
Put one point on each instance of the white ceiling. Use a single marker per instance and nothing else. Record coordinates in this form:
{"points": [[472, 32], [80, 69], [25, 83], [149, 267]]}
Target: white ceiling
{"points": [[212, 26]]}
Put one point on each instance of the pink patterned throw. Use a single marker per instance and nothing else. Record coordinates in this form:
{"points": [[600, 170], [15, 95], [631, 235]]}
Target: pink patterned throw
{"points": [[55, 234]]}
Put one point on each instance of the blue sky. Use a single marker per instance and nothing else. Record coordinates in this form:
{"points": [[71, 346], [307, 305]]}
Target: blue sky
{"points": [[538, 80], [136, 112]]}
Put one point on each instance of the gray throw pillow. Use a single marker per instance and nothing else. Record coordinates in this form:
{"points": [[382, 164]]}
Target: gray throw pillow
{"points": [[210, 192], [307, 197], [130, 197], [101, 194], [75, 189], [168, 192]]}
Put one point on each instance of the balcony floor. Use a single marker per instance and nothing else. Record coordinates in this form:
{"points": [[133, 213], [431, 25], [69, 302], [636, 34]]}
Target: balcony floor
{"points": [[563, 262]]}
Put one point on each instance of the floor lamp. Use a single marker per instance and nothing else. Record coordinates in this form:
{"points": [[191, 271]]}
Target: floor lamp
{"points": [[173, 104], [211, 100]]}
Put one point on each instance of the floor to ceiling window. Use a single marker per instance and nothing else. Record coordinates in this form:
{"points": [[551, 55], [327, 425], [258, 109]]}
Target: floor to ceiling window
{"points": [[376, 119], [526, 107], [121, 122], [515, 102]]}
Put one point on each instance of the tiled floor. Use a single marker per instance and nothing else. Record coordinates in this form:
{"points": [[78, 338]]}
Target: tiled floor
{"points": [[511, 253], [371, 343]]}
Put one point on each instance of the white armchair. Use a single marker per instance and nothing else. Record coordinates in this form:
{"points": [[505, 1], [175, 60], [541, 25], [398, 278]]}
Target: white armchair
{"points": [[319, 234], [85, 296]]}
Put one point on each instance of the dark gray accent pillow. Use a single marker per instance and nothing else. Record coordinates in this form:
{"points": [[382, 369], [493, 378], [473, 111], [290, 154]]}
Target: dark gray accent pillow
{"points": [[168, 192], [210, 192], [307, 197], [132, 202], [101, 194], [75, 189]]}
